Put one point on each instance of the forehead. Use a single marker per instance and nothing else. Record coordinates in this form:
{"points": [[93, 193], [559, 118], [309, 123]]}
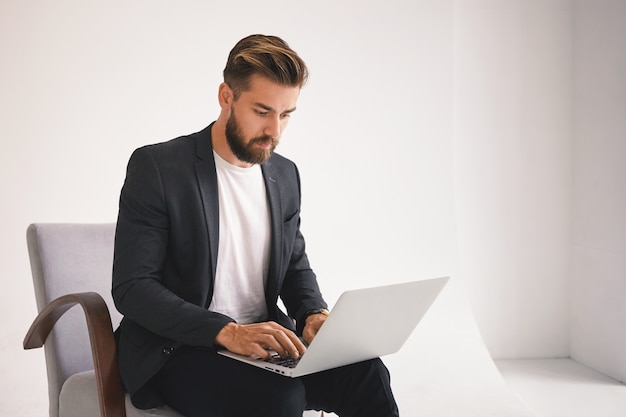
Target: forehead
{"points": [[270, 94]]}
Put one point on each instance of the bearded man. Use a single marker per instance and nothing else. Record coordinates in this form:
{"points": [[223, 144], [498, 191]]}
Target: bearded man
{"points": [[207, 240]]}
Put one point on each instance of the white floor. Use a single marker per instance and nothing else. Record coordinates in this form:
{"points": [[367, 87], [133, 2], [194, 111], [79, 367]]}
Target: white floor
{"points": [[564, 388]]}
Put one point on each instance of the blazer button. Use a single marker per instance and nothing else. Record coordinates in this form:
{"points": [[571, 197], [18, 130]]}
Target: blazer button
{"points": [[168, 350]]}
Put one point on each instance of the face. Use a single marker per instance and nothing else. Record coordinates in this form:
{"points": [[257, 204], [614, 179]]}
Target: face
{"points": [[257, 119], [256, 150]]}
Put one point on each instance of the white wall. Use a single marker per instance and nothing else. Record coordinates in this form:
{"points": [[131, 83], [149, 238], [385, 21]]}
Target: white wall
{"points": [[540, 176], [513, 183], [598, 307], [84, 83]]}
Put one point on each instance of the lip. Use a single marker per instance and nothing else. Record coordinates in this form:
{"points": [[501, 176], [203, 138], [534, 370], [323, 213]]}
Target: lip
{"points": [[264, 144]]}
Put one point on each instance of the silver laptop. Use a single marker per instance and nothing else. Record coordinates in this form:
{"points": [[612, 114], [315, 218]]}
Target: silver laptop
{"points": [[364, 324]]}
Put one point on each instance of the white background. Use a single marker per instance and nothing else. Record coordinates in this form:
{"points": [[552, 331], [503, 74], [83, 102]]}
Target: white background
{"points": [[480, 138]]}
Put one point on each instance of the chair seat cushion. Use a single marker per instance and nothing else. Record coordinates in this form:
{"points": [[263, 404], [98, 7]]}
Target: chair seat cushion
{"points": [[79, 398]]}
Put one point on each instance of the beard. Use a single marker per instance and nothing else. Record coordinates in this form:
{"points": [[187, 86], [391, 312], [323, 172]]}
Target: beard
{"points": [[247, 152]]}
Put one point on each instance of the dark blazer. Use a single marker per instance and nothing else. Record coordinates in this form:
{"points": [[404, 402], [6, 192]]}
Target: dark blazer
{"points": [[165, 256]]}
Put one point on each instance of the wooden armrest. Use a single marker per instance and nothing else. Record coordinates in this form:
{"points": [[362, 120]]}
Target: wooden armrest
{"points": [[103, 349]]}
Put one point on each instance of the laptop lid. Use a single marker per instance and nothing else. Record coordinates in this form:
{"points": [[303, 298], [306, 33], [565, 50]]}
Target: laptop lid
{"points": [[364, 324]]}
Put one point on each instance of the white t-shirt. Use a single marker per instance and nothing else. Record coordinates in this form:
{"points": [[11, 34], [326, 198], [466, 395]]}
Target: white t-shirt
{"points": [[244, 243]]}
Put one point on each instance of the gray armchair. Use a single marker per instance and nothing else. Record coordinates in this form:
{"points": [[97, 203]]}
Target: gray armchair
{"points": [[71, 265]]}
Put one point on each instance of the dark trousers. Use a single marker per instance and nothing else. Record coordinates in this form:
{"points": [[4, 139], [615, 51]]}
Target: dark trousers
{"points": [[198, 382]]}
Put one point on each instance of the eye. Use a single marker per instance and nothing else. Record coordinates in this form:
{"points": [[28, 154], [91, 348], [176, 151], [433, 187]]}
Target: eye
{"points": [[260, 112], [285, 115]]}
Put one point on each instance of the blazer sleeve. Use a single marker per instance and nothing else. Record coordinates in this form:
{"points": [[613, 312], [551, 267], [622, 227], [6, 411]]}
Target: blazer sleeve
{"points": [[141, 245]]}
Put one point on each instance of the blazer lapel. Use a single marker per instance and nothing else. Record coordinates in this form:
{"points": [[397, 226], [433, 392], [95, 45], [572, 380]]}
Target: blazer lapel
{"points": [[207, 182], [273, 194]]}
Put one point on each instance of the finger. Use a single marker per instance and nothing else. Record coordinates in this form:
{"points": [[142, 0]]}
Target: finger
{"points": [[288, 340], [260, 351], [297, 343], [286, 343], [311, 330], [308, 335]]}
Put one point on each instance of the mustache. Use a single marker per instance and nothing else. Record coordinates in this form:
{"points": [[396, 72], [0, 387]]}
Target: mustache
{"points": [[263, 139]]}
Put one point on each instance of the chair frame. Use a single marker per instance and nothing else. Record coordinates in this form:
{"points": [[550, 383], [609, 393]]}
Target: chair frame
{"points": [[103, 350]]}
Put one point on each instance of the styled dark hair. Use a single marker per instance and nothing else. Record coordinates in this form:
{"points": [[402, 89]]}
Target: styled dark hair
{"points": [[267, 56]]}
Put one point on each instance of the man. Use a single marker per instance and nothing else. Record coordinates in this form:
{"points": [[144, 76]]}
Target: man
{"points": [[207, 240]]}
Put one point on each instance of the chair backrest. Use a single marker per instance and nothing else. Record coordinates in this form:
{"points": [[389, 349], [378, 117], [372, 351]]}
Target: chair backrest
{"points": [[65, 259]]}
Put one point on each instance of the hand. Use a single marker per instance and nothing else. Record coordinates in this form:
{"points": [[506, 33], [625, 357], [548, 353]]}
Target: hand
{"points": [[257, 338], [312, 326]]}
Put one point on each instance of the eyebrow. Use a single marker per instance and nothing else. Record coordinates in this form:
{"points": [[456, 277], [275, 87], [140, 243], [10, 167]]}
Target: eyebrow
{"points": [[268, 108]]}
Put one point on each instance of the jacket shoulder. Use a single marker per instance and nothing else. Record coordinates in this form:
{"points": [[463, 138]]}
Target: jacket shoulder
{"points": [[198, 143], [182, 144]]}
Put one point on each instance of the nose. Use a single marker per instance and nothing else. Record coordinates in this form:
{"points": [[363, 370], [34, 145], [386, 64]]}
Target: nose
{"points": [[273, 127]]}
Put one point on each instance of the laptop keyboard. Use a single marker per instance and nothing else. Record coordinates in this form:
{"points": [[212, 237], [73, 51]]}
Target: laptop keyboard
{"points": [[289, 362]]}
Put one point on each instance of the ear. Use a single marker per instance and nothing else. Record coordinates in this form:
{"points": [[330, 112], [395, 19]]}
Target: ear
{"points": [[225, 96]]}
